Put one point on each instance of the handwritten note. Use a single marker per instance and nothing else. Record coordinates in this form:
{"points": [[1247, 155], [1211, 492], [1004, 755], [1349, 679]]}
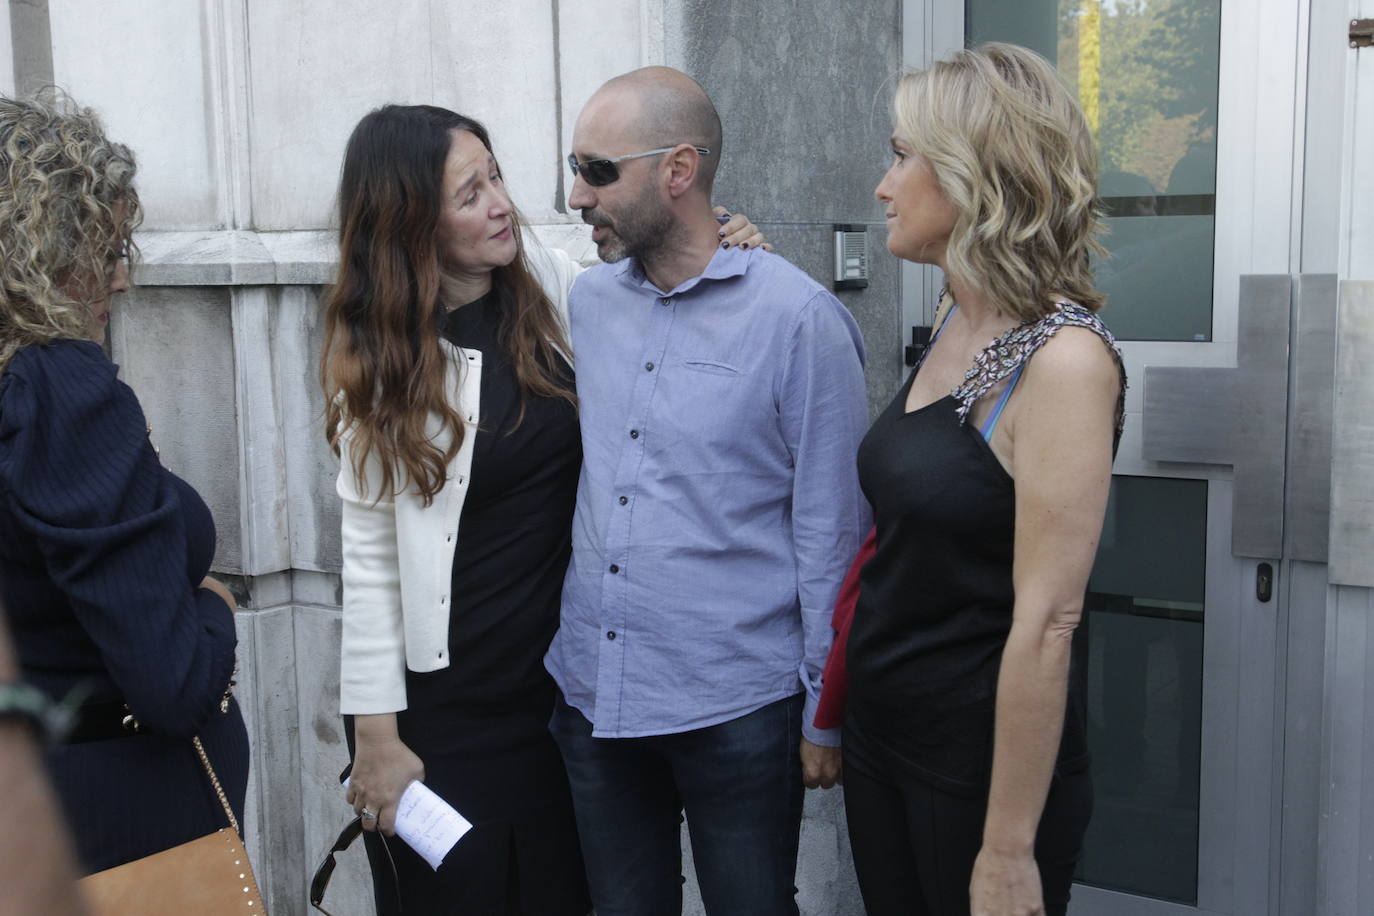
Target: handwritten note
{"points": [[428, 824]]}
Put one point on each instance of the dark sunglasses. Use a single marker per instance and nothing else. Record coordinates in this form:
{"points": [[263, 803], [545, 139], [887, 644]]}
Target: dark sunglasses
{"points": [[601, 172], [320, 883]]}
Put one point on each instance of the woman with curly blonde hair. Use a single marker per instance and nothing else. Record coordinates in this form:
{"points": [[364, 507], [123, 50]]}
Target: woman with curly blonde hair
{"points": [[103, 552], [965, 752]]}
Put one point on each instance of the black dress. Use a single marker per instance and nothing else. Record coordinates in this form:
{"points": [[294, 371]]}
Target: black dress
{"points": [[932, 619], [480, 726], [101, 553]]}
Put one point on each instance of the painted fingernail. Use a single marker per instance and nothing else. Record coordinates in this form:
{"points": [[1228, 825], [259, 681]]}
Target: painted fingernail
{"points": [[725, 244], [721, 233], [744, 244]]}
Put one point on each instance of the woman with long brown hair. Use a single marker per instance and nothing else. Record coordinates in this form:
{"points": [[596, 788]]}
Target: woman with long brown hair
{"points": [[450, 396]]}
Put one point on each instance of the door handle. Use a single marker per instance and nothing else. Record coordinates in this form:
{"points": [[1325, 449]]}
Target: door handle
{"points": [[1235, 416]]}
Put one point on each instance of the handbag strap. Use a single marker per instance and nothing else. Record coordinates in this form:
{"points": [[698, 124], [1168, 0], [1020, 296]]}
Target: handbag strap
{"points": [[214, 781]]}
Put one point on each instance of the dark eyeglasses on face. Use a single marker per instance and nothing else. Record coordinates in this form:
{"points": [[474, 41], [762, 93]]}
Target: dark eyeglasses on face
{"points": [[320, 883], [601, 172]]}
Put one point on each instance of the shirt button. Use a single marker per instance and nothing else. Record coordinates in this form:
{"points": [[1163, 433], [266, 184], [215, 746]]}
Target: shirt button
{"points": [[634, 434], [648, 367], [614, 568], [666, 300], [610, 634], [624, 500]]}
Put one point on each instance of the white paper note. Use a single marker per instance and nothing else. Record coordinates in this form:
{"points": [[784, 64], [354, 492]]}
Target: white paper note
{"points": [[428, 824]]}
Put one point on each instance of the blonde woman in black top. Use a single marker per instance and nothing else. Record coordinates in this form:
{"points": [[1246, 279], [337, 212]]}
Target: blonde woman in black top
{"points": [[965, 758]]}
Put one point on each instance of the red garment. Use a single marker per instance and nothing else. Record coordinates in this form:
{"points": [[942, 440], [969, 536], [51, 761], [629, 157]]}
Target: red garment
{"points": [[835, 680]]}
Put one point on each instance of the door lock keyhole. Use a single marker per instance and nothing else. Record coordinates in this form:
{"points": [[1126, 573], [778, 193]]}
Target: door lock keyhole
{"points": [[1264, 582]]}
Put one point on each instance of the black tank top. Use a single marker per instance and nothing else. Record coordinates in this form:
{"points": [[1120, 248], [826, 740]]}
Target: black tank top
{"points": [[935, 601]]}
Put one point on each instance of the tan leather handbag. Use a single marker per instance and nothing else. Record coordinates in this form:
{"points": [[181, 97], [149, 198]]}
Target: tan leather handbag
{"points": [[208, 876]]}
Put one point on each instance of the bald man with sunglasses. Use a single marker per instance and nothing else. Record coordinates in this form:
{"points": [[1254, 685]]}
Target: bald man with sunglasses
{"points": [[722, 403]]}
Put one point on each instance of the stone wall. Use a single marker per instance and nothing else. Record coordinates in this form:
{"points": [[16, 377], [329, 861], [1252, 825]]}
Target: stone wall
{"points": [[238, 111]]}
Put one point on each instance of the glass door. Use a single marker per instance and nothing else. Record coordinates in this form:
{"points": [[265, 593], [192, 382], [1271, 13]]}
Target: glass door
{"points": [[1193, 109]]}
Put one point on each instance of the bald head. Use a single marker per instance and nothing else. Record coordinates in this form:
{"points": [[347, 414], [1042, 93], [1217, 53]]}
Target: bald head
{"points": [[670, 108]]}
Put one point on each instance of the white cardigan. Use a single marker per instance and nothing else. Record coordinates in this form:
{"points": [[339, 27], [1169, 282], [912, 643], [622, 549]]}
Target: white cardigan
{"points": [[398, 552]]}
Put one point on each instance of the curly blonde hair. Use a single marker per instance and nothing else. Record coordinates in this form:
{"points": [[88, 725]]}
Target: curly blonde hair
{"points": [[61, 228], [1013, 153]]}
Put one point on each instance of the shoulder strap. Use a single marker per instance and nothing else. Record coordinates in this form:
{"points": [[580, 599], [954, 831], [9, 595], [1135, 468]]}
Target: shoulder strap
{"points": [[943, 309], [1008, 353], [990, 423], [214, 781]]}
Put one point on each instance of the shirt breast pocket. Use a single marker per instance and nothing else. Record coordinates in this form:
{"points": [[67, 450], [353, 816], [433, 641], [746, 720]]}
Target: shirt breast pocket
{"points": [[711, 367], [715, 403]]}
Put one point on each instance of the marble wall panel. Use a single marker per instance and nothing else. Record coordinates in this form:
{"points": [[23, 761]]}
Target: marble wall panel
{"points": [[298, 326], [316, 69], [620, 35], [146, 68], [323, 754], [267, 690], [266, 537], [495, 62], [175, 349]]}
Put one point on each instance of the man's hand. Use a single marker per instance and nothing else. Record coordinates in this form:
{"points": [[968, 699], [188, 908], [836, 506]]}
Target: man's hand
{"points": [[820, 765]]}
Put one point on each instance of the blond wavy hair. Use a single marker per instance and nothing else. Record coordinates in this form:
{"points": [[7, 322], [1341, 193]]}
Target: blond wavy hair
{"points": [[61, 180], [1014, 155]]}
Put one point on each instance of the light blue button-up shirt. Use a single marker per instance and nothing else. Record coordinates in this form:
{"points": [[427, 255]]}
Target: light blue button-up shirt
{"points": [[719, 506]]}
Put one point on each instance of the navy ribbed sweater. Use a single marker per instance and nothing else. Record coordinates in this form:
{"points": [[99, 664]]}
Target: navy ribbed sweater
{"points": [[101, 553]]}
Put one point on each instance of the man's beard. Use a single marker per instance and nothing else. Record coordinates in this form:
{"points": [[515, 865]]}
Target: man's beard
{"points": [[640, 232]]}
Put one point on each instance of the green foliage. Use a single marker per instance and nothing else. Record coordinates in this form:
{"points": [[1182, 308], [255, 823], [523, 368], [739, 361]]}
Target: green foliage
{"points": [[1158, 81]]}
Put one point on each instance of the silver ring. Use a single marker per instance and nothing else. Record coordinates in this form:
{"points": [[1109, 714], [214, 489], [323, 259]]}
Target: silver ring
{"points": [[367, 815]]}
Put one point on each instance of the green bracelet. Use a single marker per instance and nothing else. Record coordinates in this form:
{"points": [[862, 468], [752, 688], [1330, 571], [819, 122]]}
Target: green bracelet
{"points": [[50, 721]]}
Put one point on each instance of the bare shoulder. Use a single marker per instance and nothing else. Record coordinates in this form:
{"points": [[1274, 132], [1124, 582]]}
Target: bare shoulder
{"points": [[1075, 358]]}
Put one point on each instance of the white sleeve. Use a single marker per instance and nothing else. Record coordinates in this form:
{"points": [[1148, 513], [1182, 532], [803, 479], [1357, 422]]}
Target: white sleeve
{"points": [[372, 661], [555, 270]]}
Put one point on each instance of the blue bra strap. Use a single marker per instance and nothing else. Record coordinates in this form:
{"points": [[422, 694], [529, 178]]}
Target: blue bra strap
{"points": [[991, 422], [948, 315]]}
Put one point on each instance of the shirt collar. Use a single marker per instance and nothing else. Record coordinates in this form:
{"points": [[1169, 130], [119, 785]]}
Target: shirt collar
{"points": [[724, 264]]}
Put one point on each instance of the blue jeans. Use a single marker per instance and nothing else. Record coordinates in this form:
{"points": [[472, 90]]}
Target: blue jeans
{"points": [[739, 783]]}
